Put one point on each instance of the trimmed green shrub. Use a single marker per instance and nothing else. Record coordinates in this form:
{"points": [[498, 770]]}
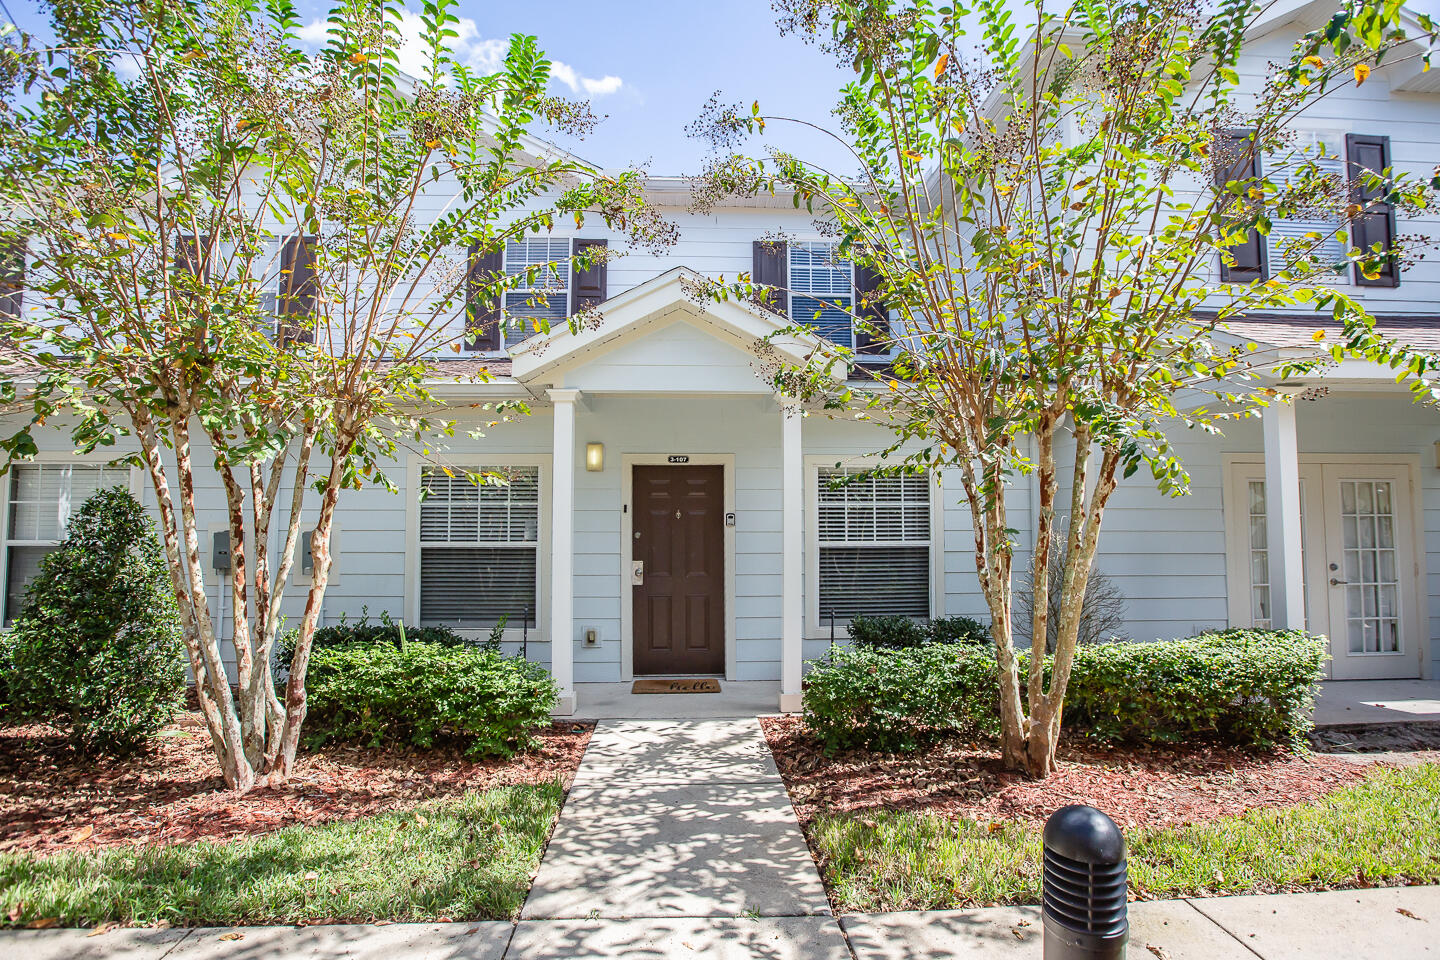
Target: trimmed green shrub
{"points": [[1249, 688], [9, 712], [904, 633], [964, 630], [897, 699], [376, 692], [887, 633], [365, 630], [1245, 687], [96, 648]]}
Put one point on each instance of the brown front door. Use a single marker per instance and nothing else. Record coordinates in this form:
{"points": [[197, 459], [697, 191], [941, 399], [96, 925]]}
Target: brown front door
{"points": [[679, 536]]}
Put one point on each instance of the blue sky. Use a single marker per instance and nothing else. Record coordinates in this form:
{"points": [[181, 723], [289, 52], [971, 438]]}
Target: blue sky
{"points": [[649, 67]]}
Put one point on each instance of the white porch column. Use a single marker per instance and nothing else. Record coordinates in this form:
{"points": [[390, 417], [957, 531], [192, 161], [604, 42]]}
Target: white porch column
{"points": [[1282, 516], [792, 608], [562, 549]]}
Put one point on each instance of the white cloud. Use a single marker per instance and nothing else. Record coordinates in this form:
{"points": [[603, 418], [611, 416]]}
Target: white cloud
{"points": [[314, 32], [483, 54], [605, 86]]}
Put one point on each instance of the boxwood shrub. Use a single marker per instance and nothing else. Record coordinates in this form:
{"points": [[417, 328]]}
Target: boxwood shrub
{"points": [[365, 630], [96, 649], [377, 692], [1245, 687], [1240, 687], [860, 696], [902, 633]]}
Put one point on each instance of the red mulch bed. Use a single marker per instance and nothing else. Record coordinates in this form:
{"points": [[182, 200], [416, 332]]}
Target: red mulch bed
{"points": [[50, 801], [1137, 786]]}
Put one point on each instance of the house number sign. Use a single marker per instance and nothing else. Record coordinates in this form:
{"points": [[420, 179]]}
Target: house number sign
{"points": [[678, 458]]}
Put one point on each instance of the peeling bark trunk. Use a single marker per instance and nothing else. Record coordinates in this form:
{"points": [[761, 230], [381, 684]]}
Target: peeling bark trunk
{"points": [[1030, 715], [295, 697], [254, 736]]}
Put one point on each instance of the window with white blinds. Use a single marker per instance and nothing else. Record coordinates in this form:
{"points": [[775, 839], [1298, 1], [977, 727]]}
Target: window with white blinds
{"points": [[546, 295], [42, 497], [822, 285], [479, 546], [1313, 227], [873, 545]]}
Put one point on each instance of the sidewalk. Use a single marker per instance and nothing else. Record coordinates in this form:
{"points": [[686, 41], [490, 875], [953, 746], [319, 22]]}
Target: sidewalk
{"points": [[1340, 925]]}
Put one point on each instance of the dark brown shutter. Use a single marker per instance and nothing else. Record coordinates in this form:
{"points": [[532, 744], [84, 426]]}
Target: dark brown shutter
{"points": [[587, 287], [190, 256], [771, 270], [1238, 159], [12, 278], [872, 312], [1376, 222], [482, 316], [298, 288]]}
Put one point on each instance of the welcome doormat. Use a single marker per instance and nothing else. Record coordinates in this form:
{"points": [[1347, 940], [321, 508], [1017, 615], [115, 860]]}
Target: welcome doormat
{"points": [[675, 685]]}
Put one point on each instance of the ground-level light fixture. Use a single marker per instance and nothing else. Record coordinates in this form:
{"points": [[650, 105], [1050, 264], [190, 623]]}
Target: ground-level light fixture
{"points": [[594, 457]]}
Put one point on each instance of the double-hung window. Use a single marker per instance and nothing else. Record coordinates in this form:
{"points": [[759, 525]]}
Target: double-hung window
{"points": [[41, 498], [873, 545], [1310, 232], [543, 263], [822, 291], [479, 546]]}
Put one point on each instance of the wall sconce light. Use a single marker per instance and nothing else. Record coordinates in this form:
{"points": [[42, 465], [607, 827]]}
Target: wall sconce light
{"points": [[594, 457]]}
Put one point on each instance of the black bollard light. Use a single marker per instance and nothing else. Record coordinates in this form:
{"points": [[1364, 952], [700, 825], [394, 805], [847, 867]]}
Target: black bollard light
{"points": [[1083, 889]]}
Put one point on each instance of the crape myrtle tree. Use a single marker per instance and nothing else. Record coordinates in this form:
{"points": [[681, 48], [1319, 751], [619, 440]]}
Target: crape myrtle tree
{"points": [[1041, 203], [243, 253]]}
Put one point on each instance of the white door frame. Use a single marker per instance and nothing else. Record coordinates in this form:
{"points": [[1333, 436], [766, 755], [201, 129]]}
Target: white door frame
{"points": [[628, 462], [1322, 468]]}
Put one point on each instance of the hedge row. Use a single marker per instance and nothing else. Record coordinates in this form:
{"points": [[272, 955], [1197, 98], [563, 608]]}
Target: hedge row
{"points": [[1243, 687], [377, 692]]}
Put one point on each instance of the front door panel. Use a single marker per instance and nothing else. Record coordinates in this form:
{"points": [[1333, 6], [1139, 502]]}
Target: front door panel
{"points": [[679, 542]]}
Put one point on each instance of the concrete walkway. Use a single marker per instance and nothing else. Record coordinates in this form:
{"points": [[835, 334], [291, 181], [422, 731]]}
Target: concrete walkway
{"points": [[677, 834], [1377, 701]]}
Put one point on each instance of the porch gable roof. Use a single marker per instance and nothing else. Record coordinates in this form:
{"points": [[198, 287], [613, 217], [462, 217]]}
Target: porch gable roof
{"points": [[657, 303]]}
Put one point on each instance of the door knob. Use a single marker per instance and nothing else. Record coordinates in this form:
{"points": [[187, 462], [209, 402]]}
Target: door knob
{"points": [[637, 573]]}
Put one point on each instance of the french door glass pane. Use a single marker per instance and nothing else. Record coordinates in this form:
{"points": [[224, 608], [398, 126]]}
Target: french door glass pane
{"points": [[1372, 608]]}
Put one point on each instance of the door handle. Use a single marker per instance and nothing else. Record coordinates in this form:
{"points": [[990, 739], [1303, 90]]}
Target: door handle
{"points": [[637, 573], [1337, 583]]}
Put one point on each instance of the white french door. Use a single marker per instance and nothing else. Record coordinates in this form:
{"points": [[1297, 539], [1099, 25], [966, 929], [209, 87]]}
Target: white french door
{"points": [[1359, 562]]}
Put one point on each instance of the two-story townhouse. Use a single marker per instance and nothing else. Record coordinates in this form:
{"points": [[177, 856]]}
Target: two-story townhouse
{"points": [[667, 514]]}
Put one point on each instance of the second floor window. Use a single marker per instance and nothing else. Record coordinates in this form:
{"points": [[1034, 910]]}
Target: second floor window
{"points": [[546, 293], [1314, 227], [12, 279], [822, 291]]}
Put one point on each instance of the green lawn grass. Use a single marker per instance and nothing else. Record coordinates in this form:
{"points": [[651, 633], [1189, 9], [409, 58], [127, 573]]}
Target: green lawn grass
{"points": [[468, 858], [1383, 830]]}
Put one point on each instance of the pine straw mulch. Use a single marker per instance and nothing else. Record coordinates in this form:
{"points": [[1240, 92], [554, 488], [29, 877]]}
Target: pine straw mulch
{"points": [[1137, 786], [51, 801]]}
